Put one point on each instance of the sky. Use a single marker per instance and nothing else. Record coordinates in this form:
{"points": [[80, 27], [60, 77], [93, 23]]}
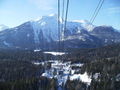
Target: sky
{"points": [[16, 12]]}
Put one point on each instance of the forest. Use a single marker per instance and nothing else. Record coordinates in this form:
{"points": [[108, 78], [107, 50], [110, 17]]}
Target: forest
{"points": [[17, 72]]}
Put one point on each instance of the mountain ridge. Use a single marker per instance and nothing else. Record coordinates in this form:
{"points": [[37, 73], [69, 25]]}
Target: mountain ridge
{"points": [[3, 27], [43, 34]]}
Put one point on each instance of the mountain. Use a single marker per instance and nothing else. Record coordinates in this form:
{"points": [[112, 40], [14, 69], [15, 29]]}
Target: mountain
{"points": [[43, 34], [3, 27], [86, 24], [107, 34], [47, 25]]}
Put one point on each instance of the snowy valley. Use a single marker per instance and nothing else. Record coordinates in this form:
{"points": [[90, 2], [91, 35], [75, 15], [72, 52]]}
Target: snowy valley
{"points": [[63, 71]]}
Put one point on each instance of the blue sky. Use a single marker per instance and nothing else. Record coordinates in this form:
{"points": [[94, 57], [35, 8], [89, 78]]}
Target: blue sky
{"points": [[15, 12]]}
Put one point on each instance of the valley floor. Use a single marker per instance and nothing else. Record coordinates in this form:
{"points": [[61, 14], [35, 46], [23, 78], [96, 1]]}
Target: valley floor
{"points": [[63, 71]]}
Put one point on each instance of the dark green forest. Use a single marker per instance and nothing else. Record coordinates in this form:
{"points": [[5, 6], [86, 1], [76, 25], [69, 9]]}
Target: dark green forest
{"points": [[17, 72]]}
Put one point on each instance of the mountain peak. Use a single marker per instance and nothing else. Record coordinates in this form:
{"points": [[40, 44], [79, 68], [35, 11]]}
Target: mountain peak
{"points": [[51, 17], [39, 33]]}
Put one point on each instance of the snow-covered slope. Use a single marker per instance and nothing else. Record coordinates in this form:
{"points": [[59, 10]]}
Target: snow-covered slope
{"points": [[3, 27], [43, 34], [86, 24], [63, 71], [48, 26]]}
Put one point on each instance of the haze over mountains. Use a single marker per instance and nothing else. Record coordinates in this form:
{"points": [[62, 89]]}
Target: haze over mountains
{"points": [[43, 34]]}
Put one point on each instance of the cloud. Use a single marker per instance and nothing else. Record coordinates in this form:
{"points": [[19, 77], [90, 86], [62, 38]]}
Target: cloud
{"points": [[44, 4], [114, 10]]}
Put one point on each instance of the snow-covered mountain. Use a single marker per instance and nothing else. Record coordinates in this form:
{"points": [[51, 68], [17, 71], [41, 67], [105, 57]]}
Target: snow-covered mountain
{"points": [[3, 27], [47, 25], [43, 34], [86, 24]]}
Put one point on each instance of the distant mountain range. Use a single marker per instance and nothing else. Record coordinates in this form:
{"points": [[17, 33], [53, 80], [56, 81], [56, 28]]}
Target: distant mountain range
{"points": [[3, 27], [43, 34]]}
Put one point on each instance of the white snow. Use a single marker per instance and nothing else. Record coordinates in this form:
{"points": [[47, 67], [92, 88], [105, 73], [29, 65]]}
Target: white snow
{"points": [[55, 53], [36, 63], [118, 77], [58, 67], [74, 27], [47, 25], [47, 75], [83, 77], [6, 43], [96, 75], [51, 15], [81, 21], [36, 19], [36, 32], [3, 27], [77, 64], [86, 24], [62, 71], [43, 23], [37, 50]]}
